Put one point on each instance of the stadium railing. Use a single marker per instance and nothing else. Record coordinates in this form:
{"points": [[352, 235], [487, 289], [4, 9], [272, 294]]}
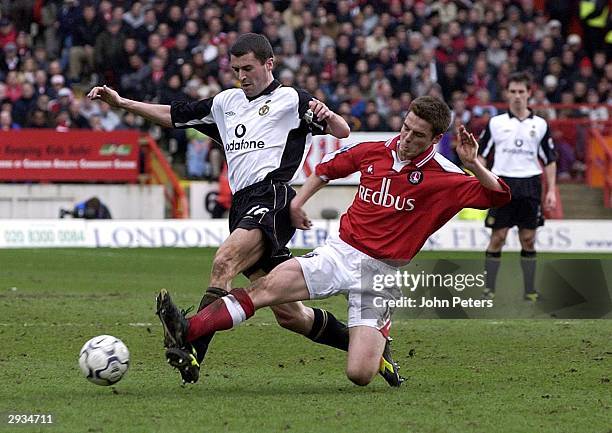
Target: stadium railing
{"points": [[158, 171]]}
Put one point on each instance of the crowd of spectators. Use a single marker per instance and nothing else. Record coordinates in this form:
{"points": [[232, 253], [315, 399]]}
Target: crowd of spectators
{"points": [[366, 59]]}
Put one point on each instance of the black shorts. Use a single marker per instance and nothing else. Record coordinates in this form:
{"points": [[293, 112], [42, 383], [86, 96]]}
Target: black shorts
{"points": [[525, 208], [265, 206]]}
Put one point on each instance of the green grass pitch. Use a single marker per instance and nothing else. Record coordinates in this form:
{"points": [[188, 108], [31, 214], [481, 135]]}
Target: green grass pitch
{"points": [[464, 375]]}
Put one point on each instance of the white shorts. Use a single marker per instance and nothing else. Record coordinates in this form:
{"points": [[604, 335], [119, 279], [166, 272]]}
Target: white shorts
{"points": [[338, 268]]}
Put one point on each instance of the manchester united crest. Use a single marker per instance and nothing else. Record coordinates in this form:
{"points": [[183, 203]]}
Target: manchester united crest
{"points": [[265, 109], [415, 177]]}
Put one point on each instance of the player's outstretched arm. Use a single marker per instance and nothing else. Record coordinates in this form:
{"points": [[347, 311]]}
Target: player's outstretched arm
{"points": [[157, 113], [336, 125], [467, 150], [299, 219]]}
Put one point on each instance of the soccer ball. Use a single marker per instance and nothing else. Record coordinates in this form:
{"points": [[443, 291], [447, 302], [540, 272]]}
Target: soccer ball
{"points": [[104, 360]]}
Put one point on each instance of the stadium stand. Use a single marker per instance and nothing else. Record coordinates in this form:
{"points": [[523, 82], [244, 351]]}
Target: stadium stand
{"points": [[366, 59]]}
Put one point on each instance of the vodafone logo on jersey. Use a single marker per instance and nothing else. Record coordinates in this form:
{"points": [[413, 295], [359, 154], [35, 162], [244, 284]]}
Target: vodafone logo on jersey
{"points": [[383, 198]]}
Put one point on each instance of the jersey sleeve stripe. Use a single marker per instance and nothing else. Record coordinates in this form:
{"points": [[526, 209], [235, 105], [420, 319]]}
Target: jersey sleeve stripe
{"points": [[446, 164]]}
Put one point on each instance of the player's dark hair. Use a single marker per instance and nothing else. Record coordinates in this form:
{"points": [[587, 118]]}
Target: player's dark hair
{"points": [[252, 43], [434, 111], [520, 77]]}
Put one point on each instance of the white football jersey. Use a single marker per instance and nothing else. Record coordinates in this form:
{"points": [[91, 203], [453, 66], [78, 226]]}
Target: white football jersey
{"points": [[265, 137], [517, 145]]}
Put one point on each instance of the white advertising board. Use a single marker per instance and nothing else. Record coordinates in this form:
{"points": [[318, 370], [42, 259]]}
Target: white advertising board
{"points": [[556, 236]]}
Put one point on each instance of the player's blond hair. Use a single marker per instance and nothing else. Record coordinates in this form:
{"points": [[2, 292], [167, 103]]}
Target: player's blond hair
{"points": [[434, 111]]}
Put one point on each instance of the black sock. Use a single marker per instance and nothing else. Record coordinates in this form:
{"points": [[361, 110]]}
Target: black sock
{"points": [[328, 330], [492, 262], [528, 264], [201, 344]]}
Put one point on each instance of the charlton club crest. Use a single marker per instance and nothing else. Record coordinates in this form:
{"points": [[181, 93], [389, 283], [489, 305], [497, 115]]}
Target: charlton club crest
{"points": [[415, 177]]}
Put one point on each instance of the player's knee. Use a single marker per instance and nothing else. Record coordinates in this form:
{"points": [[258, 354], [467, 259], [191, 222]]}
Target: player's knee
{"points": [[528, 242], [291, 320], [286, 320], [290, 323], [360, 375], [497, 241]]}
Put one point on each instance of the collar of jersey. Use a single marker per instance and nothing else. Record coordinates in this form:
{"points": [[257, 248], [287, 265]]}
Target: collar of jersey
{"points": [[271, 88], [511, 115], [420, 160]]}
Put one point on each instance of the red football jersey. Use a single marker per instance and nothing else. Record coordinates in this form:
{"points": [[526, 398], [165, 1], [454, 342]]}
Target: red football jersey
{"points": [[400, 204]]}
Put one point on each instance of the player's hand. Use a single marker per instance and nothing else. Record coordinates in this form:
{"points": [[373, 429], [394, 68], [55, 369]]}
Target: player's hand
{"points": [[299, 219], [467, 147], [550, 200], [320, 110], [105, 94]]}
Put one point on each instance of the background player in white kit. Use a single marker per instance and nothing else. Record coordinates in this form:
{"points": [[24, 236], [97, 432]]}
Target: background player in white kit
{"points": [[407, 191], [266, 131], [518, 140]]}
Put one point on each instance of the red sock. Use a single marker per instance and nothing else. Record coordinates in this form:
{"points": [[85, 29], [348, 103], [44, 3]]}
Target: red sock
{"points": [[224, 313]]}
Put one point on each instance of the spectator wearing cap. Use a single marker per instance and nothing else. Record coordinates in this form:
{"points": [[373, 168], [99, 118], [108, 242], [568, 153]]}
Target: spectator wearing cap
{"points": [[57, 83], [574, 44], [62, 102], [551, 88], [554, 30], [81, 57]]}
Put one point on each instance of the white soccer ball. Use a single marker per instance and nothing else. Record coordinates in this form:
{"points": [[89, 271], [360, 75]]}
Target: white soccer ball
{"points": [[104, 360]]}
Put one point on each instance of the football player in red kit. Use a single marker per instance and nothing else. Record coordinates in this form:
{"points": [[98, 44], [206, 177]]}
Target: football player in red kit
{"points": [[407, 191]]}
